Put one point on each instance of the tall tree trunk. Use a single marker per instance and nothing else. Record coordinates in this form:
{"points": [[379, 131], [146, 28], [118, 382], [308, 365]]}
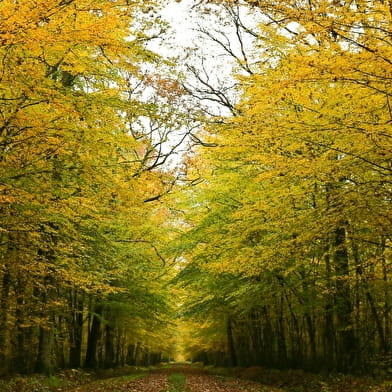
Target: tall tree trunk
{"points": [[295, 336], [109, 347], [61, 329], [230, 342], [255, 331], [370, 299], [20, 344], [119, 347], [329, 327], [10, 261], [4, 314], [344, 308], [281, 335], [312, 338], [387, 293], [131, 358], [310, 325], [93, 338], [137, 354], [267, 338], [44, 358], [45, 344], [76, 329]]}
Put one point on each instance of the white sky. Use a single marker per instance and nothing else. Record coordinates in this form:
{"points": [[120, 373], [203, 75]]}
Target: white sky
{"points": [[183, 20], [178, 15]]}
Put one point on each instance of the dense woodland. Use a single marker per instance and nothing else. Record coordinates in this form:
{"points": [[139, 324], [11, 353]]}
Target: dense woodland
{"points": [[268, 244]]}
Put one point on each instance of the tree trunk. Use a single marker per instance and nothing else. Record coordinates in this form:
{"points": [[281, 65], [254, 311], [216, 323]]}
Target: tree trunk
{"points": [[93, 338], [344, 308], [329, 327], [60, 345], [387, 307], [76, 330], [4, 330], [281, 336], [230, 343], [20, 341], [44, 358], [267, 338], [109, 347]]}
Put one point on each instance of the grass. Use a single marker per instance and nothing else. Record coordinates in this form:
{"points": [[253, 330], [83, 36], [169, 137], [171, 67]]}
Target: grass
{"points": [[53, 382], [31, 383], [66, 381], [176, 382], [127, 378]]}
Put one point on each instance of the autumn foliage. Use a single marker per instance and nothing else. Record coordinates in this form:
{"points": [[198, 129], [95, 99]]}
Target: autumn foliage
{"points": [[80, 268], [274, 249], [289, 235]]}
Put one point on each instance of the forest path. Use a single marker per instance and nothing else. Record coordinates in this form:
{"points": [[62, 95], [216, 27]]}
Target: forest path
{"points": [[208, 383], [175, 379], [194, 378], [156, 382]]}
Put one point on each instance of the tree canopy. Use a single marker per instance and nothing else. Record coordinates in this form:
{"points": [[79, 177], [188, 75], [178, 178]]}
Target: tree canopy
{"points": [[289, 229], [269, 243]]}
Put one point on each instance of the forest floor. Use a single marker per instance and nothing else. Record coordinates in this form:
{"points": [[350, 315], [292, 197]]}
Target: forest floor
{"points": [[190, 378]]}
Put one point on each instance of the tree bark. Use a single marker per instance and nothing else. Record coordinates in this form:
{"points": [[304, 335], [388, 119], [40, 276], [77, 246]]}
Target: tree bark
{"points": [[44, 358], [76, 330], [230, 343], [109, 347], [4, 310], [93, 338], [344, 308]]}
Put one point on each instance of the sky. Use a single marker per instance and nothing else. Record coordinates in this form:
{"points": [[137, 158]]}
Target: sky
{"points": [[178, 14], [184, 19]]}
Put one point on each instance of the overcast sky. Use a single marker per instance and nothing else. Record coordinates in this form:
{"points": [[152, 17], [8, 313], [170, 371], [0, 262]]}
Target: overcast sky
{"points": [[178, 14]]}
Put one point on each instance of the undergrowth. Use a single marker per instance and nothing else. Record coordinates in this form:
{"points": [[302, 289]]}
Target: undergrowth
{"points": [[176, 382]]}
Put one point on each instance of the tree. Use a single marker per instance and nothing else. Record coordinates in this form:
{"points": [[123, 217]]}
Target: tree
{"points": [[296, 184], [73, 183]]}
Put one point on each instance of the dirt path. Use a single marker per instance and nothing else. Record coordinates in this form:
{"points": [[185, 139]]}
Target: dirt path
{"points": [[187, 378], [207, 383], [156, 382], [159, 381]]}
